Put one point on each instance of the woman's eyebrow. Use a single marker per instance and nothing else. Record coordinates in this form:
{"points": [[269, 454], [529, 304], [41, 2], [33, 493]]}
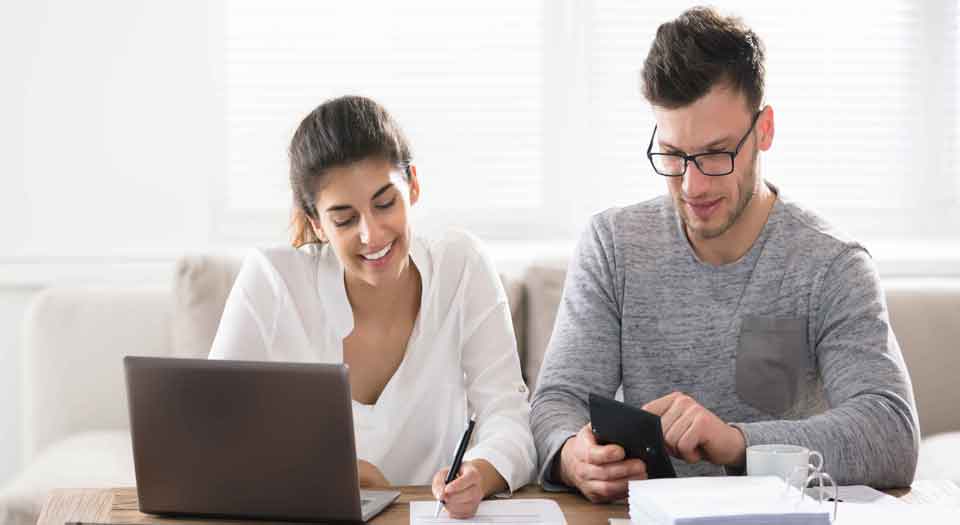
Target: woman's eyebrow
{"points": [[379, 192], [342, 207]]}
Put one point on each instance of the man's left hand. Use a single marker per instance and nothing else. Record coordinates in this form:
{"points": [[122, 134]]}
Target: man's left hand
{"points": [[693, 433]]}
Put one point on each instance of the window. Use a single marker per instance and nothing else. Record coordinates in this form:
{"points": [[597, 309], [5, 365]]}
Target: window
{"points": [[526, 117]]}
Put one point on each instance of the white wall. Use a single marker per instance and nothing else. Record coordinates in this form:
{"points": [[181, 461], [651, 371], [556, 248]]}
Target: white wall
{"points": [[112, 125], [111, 134]]}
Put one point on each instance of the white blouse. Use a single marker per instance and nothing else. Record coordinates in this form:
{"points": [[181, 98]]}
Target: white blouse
{"points": [[291, 305]]}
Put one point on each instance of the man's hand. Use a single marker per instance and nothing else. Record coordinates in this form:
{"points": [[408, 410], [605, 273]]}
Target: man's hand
{"points": [[600, 472], [370, 476], [693, 433]]}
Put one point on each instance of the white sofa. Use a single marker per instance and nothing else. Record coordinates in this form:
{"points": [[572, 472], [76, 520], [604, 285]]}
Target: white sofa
{"points": [[75, 416]]}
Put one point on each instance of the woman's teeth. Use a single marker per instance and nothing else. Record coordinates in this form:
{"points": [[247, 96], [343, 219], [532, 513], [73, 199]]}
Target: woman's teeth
{"points": [[378, 255]]}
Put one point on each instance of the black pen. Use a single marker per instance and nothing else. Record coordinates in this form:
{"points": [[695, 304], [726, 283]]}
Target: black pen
{"points": [[455, 467]]}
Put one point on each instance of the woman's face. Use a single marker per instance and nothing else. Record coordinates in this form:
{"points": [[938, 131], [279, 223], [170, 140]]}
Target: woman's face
{"points": [[363, 211]]}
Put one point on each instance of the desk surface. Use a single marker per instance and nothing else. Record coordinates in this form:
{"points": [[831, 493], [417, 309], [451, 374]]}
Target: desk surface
{"points": [[119, 505]]}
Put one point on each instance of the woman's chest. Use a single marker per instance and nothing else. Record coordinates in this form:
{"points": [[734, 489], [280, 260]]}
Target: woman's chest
{"points": [[374, 352]]}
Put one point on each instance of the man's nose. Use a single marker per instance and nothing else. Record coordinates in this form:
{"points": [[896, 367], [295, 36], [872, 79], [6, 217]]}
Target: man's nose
{"points": [[695, 183]]}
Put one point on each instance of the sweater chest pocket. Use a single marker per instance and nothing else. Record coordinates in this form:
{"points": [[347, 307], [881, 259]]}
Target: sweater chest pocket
{"points": [[773, 362]]}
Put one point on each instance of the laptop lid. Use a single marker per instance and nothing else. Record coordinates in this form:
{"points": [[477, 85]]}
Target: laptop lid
{"points": [[266, 440]]}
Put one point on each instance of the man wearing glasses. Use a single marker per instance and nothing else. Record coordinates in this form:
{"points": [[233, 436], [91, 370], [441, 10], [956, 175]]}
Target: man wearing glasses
{"points": [[736, 315]]}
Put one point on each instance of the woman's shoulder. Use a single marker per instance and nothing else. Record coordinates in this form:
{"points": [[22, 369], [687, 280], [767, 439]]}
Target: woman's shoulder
{"points": [[279, 266], [453, 249]]}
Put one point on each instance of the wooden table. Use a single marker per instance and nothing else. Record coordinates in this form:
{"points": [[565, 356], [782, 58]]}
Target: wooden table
{"points": [[119, 505]]}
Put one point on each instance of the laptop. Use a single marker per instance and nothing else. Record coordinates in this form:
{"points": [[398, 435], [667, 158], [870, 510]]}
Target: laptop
{"points": [[246, 439]]}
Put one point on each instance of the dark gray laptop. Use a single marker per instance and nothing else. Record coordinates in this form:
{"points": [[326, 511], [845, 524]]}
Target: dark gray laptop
{"points": [[246, 439]]}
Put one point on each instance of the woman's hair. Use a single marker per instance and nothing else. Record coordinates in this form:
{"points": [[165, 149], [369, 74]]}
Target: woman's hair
{"points": [[338, 132]]}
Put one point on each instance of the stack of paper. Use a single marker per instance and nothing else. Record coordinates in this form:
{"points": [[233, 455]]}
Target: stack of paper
{"points": [[722, 501]]}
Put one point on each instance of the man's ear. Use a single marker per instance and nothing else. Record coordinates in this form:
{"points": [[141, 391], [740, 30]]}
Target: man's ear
{"points": [[766, 129], [317, 230], [414, 185]]}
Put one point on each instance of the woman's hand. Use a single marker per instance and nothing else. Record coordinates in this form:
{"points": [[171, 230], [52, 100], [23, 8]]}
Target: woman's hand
{"points": [[370, 476], [463, 495]]}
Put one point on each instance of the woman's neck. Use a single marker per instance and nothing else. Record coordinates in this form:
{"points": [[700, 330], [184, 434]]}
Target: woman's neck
{"points": [[367, 300]]}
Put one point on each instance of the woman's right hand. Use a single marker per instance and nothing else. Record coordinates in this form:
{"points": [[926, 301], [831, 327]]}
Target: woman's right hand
{"points": [[370, 476]]}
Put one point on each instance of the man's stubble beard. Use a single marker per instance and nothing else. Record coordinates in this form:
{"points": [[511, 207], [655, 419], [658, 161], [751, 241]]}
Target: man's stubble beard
{"points": [[745, 192]]}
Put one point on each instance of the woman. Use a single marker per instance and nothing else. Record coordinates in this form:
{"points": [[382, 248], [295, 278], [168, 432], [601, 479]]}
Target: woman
{"points": [[423, 324]]}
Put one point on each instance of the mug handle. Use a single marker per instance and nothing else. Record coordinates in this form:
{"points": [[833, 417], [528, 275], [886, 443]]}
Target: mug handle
{"points": [[817, 465]]}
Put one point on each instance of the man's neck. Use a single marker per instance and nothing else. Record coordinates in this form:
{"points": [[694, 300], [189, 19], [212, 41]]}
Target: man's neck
{"points": [[737, 241]]}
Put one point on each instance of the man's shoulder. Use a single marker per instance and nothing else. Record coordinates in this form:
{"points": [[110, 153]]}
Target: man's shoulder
{"points": [[810, 232], [642, 218]]}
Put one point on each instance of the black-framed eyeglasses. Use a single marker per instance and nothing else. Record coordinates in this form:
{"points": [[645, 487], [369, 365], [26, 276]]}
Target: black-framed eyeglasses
{"points": [[713, 163]]}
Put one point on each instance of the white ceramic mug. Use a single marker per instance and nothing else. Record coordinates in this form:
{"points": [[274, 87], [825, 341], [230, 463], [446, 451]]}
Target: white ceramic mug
{"points": [[782, 460]]}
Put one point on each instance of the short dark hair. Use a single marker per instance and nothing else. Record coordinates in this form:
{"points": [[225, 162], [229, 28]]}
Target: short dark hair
{"points": [[339, 132], [698, 50]]}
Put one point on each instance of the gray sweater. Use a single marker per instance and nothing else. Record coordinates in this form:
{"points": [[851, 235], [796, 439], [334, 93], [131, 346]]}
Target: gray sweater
{"points": [[792, 343]]}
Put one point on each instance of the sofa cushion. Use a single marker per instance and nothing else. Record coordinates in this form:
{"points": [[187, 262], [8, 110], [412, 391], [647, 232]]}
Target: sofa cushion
{"points": [[98, 459], [924, 314], [544, 287], [201, 284]]}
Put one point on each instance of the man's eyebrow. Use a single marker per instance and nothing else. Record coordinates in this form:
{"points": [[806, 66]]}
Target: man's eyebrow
{"points": [[713, 144]]}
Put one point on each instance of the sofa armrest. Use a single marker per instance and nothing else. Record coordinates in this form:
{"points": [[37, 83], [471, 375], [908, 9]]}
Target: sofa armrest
{"points": [[74, 340]]}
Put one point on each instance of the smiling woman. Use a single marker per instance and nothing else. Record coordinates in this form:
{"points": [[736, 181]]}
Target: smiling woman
{"points": [[423, 324]]}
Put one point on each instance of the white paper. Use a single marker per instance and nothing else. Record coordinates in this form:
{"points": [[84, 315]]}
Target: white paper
{"points": [[502, 512], [855, 494], [906, 514], [723, 500]]}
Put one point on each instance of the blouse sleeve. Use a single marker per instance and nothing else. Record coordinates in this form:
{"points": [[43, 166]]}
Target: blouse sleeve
{"points": [[495, 389], [248, 320]]}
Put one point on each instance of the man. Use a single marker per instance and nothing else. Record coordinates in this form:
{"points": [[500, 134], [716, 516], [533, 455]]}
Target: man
{"points": [[737, 316]]}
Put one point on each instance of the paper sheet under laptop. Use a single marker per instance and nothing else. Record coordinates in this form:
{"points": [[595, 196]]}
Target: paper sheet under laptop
{"points": [[501, 512]]}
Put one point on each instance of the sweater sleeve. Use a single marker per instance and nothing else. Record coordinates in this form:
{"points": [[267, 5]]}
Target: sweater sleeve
{"points": [[870, 433], [583, 355]]}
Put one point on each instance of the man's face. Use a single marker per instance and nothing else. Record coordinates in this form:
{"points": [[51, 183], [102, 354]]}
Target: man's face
{"points": [[709, 206]]}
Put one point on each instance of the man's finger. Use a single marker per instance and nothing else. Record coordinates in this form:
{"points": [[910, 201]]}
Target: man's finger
{"points": [[659, 406], [688, 444], [673, 433], [586, 435], [605, 490], [636, 469], [600, 455]]}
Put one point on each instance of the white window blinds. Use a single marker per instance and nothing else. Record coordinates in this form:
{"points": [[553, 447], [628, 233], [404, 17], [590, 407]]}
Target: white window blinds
{"points": [[463, 80], [864, 96]]}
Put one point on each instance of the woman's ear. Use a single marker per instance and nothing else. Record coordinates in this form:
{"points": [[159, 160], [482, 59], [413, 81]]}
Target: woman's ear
{"points": [[414, 185], [317, 229]]}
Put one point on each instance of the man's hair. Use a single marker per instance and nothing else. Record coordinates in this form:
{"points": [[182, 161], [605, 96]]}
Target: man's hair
{"points": [[698, 50]]}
